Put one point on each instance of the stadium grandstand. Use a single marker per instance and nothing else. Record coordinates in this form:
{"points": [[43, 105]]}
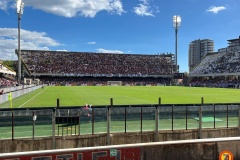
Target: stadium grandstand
{"points": [[87, 68], [219, 69], [7, 77]]}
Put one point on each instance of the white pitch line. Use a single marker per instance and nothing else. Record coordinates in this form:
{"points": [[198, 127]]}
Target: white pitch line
{"points": [[137, 99], [30, 99]]}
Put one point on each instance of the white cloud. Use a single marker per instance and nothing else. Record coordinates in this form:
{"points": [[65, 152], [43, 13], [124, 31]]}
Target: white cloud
{"points": [[215, 9], [3, 5], [29, 40], [101, 50], [143, 9], [71, 8], [62, 50], [144, 1], [91, 43]]}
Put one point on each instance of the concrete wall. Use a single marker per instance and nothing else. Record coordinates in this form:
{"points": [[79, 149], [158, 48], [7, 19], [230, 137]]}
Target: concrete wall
{"points": [[198, 149], [47, 143]]}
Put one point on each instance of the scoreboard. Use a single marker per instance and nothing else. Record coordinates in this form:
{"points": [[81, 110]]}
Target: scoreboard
{"points": [[178, 75]]}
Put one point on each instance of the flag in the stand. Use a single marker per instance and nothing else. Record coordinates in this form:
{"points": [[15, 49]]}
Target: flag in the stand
{"points": [[10, 98]]}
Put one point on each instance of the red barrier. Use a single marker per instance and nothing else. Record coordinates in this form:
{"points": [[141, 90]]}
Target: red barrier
{"points": [[110, 154]]}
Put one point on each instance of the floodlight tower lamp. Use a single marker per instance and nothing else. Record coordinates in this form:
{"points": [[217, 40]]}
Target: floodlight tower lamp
{"points": [[176, 24], [176, 21], [20, 6]]}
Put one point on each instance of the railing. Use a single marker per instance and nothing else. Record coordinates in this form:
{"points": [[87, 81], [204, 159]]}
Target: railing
{"points": [[17, 91], [45, 122]]}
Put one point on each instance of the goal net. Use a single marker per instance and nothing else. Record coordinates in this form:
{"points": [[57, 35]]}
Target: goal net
{"points": [[114, 83]]}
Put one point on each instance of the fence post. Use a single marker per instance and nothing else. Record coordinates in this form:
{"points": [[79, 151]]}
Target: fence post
{"points": [[186, 117], [58, 103], [109, 122], [125, 119], [141, 120], [172, 116], [33, 120], [58, 108], [53, 129], [157, 120], [79, 120], [227, 116], [12, 126], [200, 124], [214, 110], [200, 121], [58, 115], [93, 119], [239, 120], [108, 125]]}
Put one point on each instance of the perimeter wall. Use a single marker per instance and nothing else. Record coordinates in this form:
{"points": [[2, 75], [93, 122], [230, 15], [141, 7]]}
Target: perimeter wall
{"points": [[200, 149], [75, 141]]}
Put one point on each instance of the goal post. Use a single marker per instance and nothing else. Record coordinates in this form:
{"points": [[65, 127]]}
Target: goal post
{"points": [[114, 83]]}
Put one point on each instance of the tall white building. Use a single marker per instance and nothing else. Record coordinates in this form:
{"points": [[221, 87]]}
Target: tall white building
{"points": [[197, 50]]}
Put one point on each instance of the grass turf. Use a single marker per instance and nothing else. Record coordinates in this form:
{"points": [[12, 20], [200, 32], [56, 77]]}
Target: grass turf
{"points": [[122, 95], [209, 119]]}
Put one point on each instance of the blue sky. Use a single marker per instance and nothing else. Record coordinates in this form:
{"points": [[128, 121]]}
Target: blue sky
{"points": [[117, 26]]}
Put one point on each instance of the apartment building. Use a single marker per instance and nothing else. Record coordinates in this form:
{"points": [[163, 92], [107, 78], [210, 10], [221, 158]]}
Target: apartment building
{"points": [[197, 50]]}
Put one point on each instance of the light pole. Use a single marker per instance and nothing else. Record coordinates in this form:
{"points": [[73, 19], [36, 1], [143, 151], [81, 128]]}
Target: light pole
{"points": [[176, 25], [20, 6]]}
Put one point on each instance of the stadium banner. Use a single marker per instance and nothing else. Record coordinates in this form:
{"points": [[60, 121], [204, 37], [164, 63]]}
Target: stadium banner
{"points": [[110, 154]]}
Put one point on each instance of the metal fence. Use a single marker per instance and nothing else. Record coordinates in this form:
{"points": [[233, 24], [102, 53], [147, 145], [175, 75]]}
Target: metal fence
{"points": [[44, 122]]}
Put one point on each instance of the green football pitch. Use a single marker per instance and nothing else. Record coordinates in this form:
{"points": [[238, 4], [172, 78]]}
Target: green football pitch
{"points": [[122, 95]]}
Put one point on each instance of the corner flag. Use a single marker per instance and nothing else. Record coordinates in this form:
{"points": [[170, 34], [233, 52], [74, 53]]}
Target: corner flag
{"points": [[10, 98]]}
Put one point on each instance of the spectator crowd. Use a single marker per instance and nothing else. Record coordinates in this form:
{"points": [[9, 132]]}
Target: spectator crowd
{"points": [[219, 69], [219, 63], [4, 83], [74, 63], [218, 82]]}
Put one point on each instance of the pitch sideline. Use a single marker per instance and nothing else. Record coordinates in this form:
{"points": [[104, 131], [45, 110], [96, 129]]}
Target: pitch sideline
{"points": [[31, 98]]}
